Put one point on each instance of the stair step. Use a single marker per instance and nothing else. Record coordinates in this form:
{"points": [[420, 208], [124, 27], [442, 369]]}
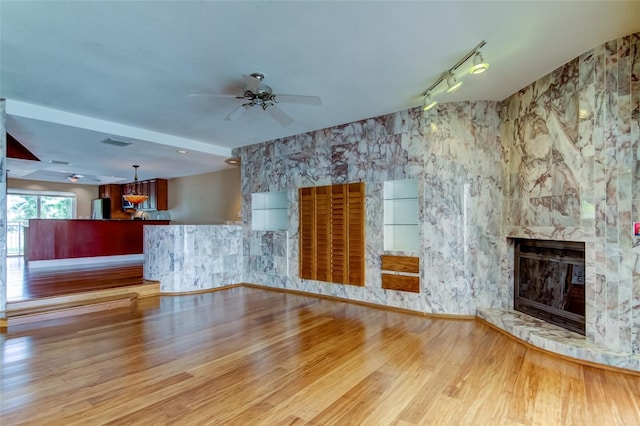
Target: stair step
{"points": [[27, 315], [148, 288]]}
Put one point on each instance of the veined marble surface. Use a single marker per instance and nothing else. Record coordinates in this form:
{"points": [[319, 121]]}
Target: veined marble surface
{"points": [[454, 154], [193, 257], [556, 339], [559, 160], [571, 171]]}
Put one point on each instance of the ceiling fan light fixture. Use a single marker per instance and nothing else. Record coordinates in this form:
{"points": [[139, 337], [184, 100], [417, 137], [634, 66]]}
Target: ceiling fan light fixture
{"points": [[256, 93], [233, 161], [452, 83], [428, 103], [479, 64]]}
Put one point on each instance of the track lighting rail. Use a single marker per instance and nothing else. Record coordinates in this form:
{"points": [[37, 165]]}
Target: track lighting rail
{"points": [[450, 71]]}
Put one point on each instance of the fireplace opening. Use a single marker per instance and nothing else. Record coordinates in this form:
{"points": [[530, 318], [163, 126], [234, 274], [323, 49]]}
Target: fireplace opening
{"points": [[549, 281]]}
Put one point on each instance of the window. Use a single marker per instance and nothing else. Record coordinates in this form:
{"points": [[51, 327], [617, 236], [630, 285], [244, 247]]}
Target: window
{"points": [[332, 233], [23, 205]]}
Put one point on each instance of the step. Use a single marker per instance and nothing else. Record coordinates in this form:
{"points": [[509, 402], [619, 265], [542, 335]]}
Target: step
{"points": [[147, 289], [57, 309]]}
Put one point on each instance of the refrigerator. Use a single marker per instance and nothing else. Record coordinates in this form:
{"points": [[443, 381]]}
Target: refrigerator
{"points": [[101, 208]]}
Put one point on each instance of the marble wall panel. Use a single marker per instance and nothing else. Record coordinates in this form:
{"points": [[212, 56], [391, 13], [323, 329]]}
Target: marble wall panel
{"points": [[193, 257], [460, 199], [566, 150], [571, 149]]}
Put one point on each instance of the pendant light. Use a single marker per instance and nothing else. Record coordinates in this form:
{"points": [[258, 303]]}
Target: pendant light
{"points": [[133, 197]]}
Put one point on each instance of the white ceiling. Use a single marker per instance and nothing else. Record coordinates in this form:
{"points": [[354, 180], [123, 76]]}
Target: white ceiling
{"points": [[77, 72]]}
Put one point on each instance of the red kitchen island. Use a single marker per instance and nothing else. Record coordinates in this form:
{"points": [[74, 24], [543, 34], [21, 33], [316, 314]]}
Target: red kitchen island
{"points": [[67, 242]]}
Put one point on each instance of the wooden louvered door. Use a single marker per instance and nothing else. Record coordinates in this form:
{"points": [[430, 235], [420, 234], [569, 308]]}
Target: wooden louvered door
{"points": [[339, 260], [323, 233], [355, 233], [306, 233], [332, 233]]}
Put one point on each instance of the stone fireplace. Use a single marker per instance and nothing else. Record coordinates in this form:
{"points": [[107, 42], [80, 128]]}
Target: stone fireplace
{"points": [[549, 281]]}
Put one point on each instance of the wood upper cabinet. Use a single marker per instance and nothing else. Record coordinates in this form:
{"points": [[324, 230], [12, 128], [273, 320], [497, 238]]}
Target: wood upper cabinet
{"points": [[155, 189], [160, 193], [331, 232], [114, 192]]}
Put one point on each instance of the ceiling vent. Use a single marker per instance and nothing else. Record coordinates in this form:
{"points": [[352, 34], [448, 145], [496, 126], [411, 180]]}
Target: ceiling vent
{"points": [[113, 142], [65, 163]]}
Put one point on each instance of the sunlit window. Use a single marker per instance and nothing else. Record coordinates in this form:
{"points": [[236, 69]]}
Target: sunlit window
{"points": [[23, 205]]}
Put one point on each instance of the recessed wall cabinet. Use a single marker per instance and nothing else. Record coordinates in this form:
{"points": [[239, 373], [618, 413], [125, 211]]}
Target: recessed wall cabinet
{"points": [[400, 216], [269, 211], [331, 233]]}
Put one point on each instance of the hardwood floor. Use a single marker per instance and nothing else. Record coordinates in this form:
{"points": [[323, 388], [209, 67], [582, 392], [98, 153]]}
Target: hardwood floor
{"points": [[246, 356], [32, 283]]}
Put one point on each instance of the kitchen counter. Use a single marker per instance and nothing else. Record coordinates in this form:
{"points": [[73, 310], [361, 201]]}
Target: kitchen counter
{"points": [[77, 241]]}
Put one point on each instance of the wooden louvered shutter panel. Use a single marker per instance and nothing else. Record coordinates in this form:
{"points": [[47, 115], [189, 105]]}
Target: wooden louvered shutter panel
{"points": [[355, 233], [306, 232], [323, 233], [339, 259]]}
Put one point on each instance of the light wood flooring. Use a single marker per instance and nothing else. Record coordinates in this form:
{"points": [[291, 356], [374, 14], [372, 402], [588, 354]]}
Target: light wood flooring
{"points": [[246, 356], [24, 283]]}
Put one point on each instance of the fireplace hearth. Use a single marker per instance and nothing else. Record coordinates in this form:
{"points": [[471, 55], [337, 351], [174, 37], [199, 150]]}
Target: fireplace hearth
{"points": [[549, 281]]}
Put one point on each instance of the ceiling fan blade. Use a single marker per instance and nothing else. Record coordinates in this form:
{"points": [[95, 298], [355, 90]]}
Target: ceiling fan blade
{"points": [[213, 95], [251, 83], [237, 112], [279, 115], [299, 99]]}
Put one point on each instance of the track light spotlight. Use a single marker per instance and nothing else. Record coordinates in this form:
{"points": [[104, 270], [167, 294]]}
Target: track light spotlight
{"points": [[479, 64], [428, 103], [453, 83]]}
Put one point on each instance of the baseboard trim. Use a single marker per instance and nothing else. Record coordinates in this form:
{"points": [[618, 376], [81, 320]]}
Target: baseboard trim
{"points": [[201, 291], [326, 297], [361, 303], [86, 261]]}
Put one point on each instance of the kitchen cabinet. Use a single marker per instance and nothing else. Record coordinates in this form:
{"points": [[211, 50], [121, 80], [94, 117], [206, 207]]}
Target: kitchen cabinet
{"points": [[113, 192], [155, 189]]}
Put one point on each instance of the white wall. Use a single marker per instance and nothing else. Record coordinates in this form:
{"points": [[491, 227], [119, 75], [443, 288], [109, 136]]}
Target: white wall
{"points": [[206, 199], [84, 193]]}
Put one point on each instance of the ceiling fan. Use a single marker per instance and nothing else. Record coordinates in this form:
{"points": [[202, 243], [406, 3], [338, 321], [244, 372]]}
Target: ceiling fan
{"points": [[74, 178], [256, 93]]}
